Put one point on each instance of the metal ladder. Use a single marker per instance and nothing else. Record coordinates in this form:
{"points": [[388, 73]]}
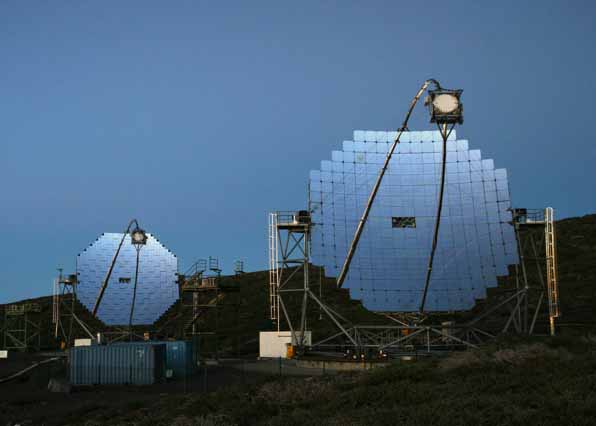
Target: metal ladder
{"points": [[56, 302], [551, 269], [273, 267]]}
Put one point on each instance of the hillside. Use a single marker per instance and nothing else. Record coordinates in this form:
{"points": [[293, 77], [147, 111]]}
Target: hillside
{"points": [[550, 382], [245, 312], [253, 310], [576, 246], [511, 381], [576, 252]]}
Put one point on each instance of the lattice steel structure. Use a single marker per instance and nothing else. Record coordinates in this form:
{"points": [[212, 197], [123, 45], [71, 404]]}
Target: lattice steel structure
{"points": [[22, 327], [537, 274], [480, 240], [239, 267], [67, 325], [202, 297], [289, 254], [289, 236], [414, 224]]}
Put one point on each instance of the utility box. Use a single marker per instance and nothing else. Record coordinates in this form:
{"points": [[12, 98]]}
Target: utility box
{"points": [[83, 342], [274, 344]]}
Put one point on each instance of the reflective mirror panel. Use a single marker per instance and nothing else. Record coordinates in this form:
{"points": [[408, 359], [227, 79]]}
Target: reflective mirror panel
{"points": [[157, 289], [476, 238]]}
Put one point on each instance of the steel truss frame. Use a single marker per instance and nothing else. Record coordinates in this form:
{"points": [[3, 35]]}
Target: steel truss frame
{"points": [[201, 294], [535, 233], [412, 331], [64, 305], [22, 327], [65, 319], [289, 254]]}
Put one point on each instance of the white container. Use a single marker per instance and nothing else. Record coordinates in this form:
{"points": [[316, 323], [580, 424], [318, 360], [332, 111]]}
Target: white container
{"points": [[83, 342], [3, 354], [273, 344]]}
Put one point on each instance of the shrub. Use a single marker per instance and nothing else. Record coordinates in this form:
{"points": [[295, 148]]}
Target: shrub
{"points": [[516, 356]]}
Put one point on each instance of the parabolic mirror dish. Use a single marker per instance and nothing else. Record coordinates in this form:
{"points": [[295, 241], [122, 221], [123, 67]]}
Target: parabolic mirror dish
{"points": [[156, 288], [476, 239]]}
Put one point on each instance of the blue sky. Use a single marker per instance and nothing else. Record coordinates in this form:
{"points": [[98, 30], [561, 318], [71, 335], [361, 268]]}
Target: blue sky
{"points": [[198, 118]]}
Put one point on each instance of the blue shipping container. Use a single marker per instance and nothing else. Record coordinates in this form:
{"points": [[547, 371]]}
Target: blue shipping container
{"points": [[135, 364], [181, 356]]}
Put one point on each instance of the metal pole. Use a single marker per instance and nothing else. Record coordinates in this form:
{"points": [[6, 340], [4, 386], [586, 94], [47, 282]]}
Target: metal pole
{"points": [[320, 291], [73, 299], [332, 317], [109, 274], [520, 249], [373, 194], [536, 313], [56, 304], [514, 311], [306, 288], [134, 293], [429, 270]]}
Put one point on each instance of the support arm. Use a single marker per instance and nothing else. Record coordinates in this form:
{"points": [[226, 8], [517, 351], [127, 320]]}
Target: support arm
{"points": [[104, 284], [373, 194]]}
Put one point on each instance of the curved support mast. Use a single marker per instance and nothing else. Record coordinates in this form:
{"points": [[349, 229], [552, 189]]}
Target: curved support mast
{"points": [[104, 284], [346, 266], [445, 132]]}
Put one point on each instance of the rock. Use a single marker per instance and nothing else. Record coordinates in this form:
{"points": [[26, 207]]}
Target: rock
{"points": [[59, 385]]}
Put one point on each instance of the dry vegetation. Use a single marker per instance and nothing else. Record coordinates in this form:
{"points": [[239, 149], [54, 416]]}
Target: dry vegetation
{"points": [[518, 356], [512, 382], [544, 381]]}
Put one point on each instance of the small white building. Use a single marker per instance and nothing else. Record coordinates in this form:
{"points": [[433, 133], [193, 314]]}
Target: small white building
{"points": [[274, 344]]}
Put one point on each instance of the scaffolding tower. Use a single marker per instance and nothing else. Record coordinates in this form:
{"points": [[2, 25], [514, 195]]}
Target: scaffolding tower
{"points": [[239, 267], [536, 238], [64, 318], [289, 254], [22, 327], [202, 296]]}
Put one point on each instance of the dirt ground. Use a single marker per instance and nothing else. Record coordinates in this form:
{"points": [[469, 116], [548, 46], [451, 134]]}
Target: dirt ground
{"points": [[27, 400]]}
